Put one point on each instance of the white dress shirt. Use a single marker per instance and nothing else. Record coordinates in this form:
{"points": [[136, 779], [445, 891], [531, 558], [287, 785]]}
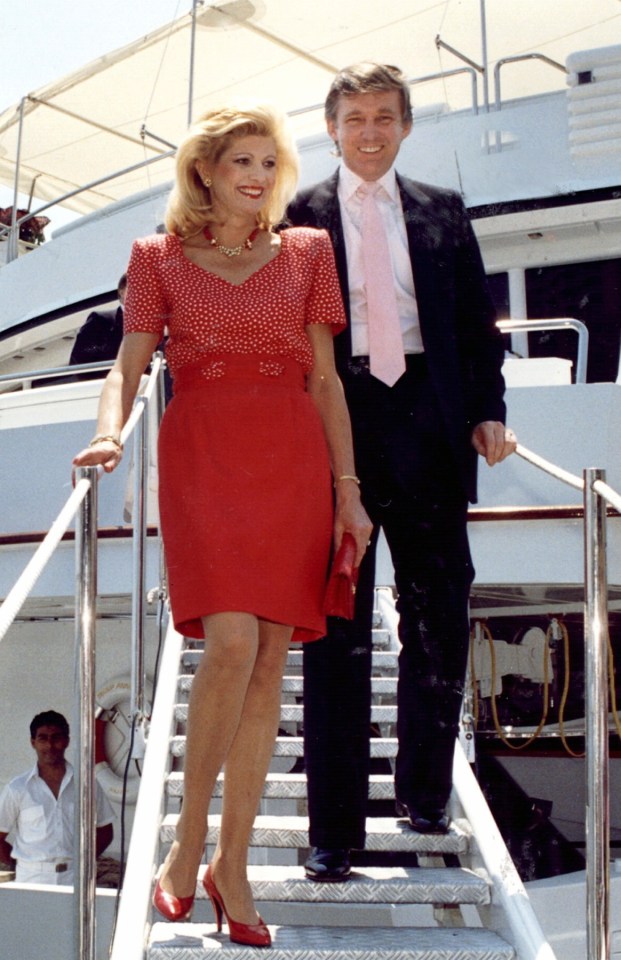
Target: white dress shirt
{"points": [[389, 203], [41, 827]]}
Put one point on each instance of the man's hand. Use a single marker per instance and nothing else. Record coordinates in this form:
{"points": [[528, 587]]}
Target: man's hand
{"points": [[493, 441]]}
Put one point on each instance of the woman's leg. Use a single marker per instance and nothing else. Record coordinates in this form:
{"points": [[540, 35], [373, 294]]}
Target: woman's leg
{"points": [[232, 721], [215, 708], [245, 770]]}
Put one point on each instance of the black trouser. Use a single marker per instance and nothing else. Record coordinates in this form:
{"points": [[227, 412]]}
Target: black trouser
{"points": [[411, 489]]}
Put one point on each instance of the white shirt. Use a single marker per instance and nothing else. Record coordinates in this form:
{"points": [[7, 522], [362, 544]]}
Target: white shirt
{"points": [[389, 204], [41, 826]]}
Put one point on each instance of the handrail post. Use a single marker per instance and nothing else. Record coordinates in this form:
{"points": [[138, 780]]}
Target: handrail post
{"points": [[596, 719], [13, 245], [138, 559], [85, 808]]}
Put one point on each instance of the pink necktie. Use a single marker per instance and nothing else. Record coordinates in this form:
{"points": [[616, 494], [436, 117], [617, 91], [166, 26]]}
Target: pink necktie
{"points": [[385, 340]]}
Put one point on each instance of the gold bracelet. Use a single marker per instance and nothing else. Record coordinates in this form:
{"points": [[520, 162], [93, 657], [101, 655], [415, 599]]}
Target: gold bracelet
{"points": [[100, 438], [347, 476]]}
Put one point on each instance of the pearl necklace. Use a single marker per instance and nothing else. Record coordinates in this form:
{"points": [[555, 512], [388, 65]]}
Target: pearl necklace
{"points": [[231, 251]]}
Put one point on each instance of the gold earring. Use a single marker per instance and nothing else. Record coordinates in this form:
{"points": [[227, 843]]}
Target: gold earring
{"points": [[207, 182]]}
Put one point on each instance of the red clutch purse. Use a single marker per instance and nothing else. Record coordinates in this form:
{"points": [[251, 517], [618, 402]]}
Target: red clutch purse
{"points": [[341, 588]]}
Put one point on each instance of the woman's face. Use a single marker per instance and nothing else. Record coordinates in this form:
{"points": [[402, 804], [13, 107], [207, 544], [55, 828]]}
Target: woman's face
{"points": [[244, 176]]}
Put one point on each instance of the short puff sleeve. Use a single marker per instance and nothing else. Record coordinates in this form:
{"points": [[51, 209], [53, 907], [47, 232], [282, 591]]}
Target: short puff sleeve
{"points": [[146, 308], [325, 302]]}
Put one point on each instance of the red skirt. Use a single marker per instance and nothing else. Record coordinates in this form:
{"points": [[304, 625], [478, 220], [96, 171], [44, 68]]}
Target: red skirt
{"points": [[245, 495]]}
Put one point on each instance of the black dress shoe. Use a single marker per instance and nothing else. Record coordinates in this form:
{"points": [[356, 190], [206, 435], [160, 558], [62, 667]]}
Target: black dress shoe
{"points": [[427, 821], [328, 865]]}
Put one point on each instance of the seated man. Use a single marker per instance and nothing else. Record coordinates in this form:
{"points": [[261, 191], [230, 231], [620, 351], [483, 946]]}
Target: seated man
{"points": [[37, 810]]}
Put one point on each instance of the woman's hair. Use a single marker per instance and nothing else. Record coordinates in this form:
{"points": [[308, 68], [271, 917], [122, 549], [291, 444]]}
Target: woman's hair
{"points": [[369, 78], [189, 206]]}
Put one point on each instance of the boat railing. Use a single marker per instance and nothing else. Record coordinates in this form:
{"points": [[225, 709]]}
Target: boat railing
{"points": [[11, 232], [24, 381], [82, 505], [597, 495], [524, 929], [520, 57], [525, 327]]}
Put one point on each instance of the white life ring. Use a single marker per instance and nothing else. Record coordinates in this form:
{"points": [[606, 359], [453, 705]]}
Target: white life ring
{"points": [[112, 738]]}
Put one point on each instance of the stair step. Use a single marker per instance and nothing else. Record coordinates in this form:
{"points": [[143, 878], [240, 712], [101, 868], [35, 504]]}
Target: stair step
{"points": [[382, 660], [383, 833], [294, 713], [289, 786], [384, 747], [294, 684], [392, 885], [187, 941]]}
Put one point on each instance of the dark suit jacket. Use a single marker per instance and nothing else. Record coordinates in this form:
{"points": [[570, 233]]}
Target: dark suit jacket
{"points": [[463, 347], [98, 339]]}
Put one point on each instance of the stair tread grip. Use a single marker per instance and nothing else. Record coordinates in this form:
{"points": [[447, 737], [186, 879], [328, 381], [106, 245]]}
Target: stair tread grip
{"points": [[189, 941]]}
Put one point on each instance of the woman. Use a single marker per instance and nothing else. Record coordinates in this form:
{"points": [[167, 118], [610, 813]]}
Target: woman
{"points": [[257, 421]]}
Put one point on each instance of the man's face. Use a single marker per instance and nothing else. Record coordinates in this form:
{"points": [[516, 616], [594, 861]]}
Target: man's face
{"points": [[50, 743], [369, 129]]}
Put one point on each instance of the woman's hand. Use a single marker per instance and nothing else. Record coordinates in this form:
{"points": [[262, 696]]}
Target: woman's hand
{"points": [[351, 516], [115, 404], [105, 453]]}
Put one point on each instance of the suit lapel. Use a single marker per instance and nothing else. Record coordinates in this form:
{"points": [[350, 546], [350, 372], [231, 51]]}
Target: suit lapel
{"points": [[326, 209], [424, 240]]}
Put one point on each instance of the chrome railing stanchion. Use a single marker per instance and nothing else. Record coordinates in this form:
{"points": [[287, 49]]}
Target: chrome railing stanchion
{"points": [[137, 705], [85, 807], [596, 719]]}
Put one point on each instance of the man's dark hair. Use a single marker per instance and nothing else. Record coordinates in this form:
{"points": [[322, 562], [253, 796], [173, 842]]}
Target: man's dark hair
{"points": [[49, 718], [122, 283], [368, 78]]}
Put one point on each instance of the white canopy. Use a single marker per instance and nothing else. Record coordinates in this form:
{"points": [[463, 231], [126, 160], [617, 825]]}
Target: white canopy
{"points": [[109, 115]]}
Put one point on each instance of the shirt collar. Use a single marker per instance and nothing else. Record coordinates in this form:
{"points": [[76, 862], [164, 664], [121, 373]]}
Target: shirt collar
{"points": [[35, 772], [350, 181]]}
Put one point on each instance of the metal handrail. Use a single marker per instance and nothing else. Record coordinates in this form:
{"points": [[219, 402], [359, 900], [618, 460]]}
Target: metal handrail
{"points": [[523, 56], [133, 916], [526, 931], [596, 710], [555, 323], [85, 816], [25, 379], [595, 491], [16, 597]]}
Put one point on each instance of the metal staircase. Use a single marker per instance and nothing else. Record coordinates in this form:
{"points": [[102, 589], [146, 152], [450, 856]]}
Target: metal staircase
{"points": [[430, 912]]}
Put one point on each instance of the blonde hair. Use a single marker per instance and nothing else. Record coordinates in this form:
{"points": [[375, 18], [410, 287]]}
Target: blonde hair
{"points": [[189, 205]]}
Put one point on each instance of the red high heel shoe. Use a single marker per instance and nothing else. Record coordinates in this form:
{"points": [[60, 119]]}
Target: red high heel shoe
{"points": [[250, 934], [171, 907]]}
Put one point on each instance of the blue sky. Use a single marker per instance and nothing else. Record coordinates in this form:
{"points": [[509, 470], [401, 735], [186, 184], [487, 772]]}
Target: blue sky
{"points": [[42, 40]]}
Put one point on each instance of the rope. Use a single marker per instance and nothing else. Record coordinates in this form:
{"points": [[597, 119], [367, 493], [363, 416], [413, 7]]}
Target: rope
{"points": [[550, 468], [475, 689], [546, 683], [565, 693], [31, 573], [613, 693]]}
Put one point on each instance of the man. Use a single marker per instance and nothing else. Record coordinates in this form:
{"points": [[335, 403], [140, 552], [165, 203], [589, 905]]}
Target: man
{"points": [[419, 418], [37, 810], [100, 336]]}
